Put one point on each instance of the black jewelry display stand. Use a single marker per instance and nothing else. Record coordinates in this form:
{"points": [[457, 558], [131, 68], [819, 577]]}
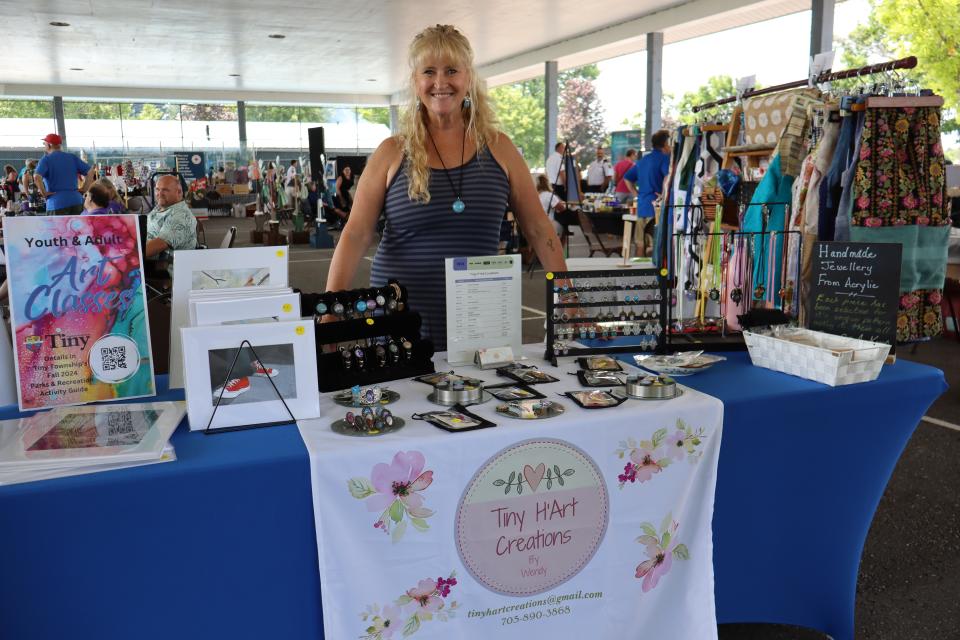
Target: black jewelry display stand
{"points": [[397, 325], [603, 283], [207, 431], [724, 339]]}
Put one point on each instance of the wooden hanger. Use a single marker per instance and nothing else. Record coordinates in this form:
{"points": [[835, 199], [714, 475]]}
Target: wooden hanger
{"points": [[897, 102]]}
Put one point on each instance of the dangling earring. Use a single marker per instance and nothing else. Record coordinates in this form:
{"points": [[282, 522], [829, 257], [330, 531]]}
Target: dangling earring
{"points": [[467, 102]]}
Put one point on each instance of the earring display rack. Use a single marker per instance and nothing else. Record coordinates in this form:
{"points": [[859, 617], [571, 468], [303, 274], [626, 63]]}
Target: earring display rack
{"points": [[363, 344], [765, 275], [605, 304]]}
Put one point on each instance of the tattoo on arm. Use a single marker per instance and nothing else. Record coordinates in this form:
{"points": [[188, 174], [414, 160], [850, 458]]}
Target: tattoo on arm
{"points": [[550, 243]]}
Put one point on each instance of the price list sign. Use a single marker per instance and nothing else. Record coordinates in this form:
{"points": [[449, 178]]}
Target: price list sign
{"points": [[483, 305], [855, 290]]}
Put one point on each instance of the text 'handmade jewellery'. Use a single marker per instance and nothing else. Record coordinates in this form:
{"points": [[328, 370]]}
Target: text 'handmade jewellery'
{"points": [[458, 204]]}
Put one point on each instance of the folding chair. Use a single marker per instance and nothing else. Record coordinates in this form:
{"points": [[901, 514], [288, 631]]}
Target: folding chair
{"points": [[227, 242], [586, 225]]}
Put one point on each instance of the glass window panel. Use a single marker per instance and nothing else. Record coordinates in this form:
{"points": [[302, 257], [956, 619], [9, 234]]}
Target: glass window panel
{"points": [[93, 125], [23, 123]]}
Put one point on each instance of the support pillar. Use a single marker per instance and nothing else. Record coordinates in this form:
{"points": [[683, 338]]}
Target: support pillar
{"points": [[652, 116], [242, 127], [58, 116], [821, 26], [394, 119], [551, 98]]}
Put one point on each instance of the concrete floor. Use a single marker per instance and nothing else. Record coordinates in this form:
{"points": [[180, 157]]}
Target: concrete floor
{"points": [[910, 571]]}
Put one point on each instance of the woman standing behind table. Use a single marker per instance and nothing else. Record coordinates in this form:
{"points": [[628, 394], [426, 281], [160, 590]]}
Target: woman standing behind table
{"points": [[344, 184], [443, 185]]}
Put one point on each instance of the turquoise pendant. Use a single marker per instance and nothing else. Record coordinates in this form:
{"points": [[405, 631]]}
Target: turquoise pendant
{"points": [[458, 206]]}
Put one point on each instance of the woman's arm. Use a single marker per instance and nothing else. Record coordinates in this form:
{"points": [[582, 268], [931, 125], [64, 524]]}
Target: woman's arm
{"points": [[361, 227], [534, 223]]}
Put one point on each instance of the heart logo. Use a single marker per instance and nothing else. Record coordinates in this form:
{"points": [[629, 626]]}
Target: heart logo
{"points": [[534, 476]]}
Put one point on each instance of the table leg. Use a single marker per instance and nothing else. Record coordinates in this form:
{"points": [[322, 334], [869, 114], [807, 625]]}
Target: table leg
{"points": [[627, 241]]}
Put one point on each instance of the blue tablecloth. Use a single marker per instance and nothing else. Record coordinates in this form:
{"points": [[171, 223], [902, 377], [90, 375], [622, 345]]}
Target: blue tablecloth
{"points": [[220, 543]]}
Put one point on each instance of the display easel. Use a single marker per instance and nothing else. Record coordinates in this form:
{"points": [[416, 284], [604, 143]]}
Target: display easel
{"points": [[223, 388]]}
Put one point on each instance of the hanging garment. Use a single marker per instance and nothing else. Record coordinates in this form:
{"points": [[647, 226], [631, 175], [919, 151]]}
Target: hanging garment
{"points": [[775, 191], [830, 186], [900, 192], [841, 229]]}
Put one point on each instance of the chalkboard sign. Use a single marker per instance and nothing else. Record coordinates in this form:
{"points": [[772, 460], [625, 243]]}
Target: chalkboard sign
{"points": [[855, 290]]}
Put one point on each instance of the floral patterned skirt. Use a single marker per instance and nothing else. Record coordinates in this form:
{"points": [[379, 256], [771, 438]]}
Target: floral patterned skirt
{"points": [[900, 181]]}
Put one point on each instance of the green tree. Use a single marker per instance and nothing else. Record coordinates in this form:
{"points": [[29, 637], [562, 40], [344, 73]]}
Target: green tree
{"points": [[376, 115], [151, 112], [716, 88], [520, 108], [208, 112], [91, 110], [26, 108], [580, 121], [521, 117], [275, 113], [927, 29]]}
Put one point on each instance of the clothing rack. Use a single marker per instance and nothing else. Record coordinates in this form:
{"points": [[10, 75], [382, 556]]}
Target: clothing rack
{"points": [[909, 62]]}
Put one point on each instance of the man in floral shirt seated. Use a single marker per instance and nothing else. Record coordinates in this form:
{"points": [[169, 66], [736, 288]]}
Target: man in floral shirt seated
{"points": [[171, 224]]}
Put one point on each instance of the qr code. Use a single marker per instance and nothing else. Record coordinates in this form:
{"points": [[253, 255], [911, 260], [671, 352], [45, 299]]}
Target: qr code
{"points": [[119, 423], [113, 358]]}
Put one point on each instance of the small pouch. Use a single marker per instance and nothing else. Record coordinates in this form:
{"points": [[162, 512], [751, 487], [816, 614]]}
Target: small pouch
{"points": [[599, 363], [433, 378], [595, 399], [455, 419], [526, 375], [599, 378], [508, 392]]}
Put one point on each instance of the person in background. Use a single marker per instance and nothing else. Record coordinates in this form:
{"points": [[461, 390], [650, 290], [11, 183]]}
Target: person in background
{"points": [[115, 205], [646, 177], [27, 186], [171, 225], [10, 185], [550, 202], [313, 199], [555, 171], [442, 185], [56, 178], [332, 206], [344, 200], [624, 192], [96, 200], [599, 173], [291, 182]]}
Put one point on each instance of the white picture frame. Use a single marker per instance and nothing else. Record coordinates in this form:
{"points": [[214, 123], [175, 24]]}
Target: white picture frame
{"points": [[288, 358], [280, 308], [84, 435], [263, 266]]}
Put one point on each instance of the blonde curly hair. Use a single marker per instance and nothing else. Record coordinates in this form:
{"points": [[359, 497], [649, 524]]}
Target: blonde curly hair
{"points": [[446, 43]]}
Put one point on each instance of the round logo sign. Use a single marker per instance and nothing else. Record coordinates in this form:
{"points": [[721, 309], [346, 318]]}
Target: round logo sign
{"points": [[114, 358], [532, 517]]}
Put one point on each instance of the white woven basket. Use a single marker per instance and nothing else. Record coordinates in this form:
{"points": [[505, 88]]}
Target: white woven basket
{"points": [[823, 357]]}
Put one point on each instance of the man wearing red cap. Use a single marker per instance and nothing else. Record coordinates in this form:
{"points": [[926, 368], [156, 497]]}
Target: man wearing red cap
{"points": [[56, 178]]}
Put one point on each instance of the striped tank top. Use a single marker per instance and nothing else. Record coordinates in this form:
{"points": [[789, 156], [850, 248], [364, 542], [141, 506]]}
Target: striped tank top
{"points": [[418, 237]]}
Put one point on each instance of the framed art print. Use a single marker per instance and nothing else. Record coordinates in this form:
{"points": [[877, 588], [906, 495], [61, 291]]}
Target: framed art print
{"points": [[237, 374], [218, 269]]}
